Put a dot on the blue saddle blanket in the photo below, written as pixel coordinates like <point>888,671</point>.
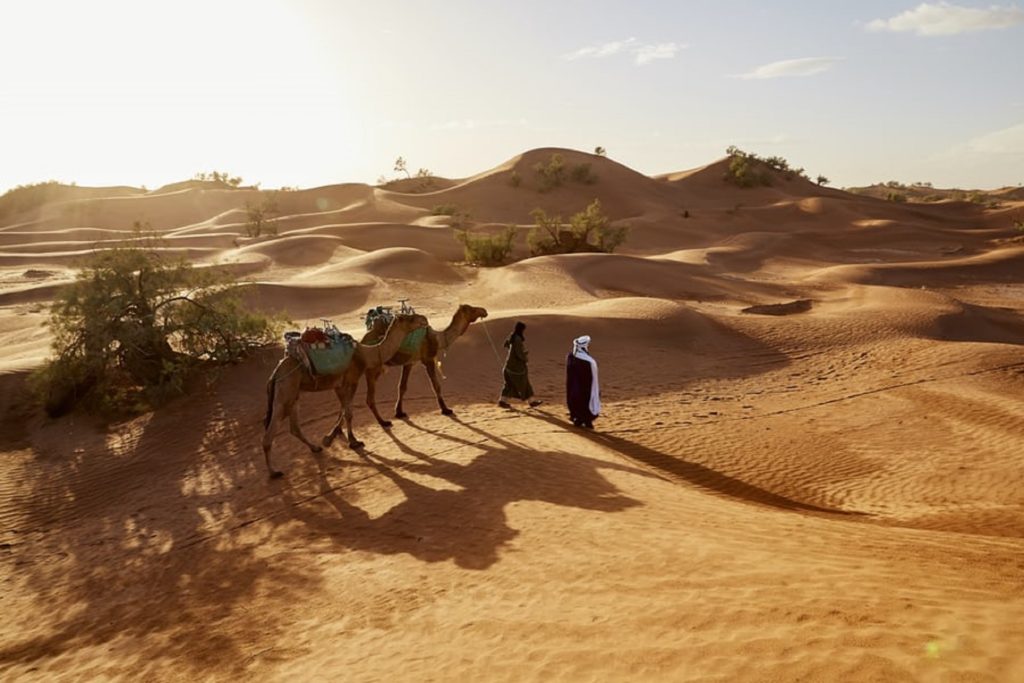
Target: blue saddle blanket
<point>322,351</point>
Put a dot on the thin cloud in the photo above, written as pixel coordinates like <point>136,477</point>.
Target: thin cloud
<point>805,66</point>
<point>945,19</point>
<point>646,54</point>
<point>603,50</point>
<point>1008,141</point>
<point>643,53</point>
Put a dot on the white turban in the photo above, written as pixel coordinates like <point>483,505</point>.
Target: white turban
<point>580,344</point>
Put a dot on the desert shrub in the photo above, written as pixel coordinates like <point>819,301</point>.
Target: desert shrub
<point>460,219</point>
<point>588,230</point>
<point>896,197</point>
<point>218,177</point>
<point>261,218</point>
<point>581,173</point>
<point>485,249</point>
<point>445,209</point>
<point>822,180</point>
<point>25,197</point>
<point>600,151</point>
<point>514,180</point>
<point>777,162</point>
<point>745,171</point>
<point>402,167</point>
<point>551,174</point>
<point>543,237</point>
<point>459,216</point>
<point>134,326</point>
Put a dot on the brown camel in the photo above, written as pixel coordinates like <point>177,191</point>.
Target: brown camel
<point>425,353</point>
<point>290,378</point>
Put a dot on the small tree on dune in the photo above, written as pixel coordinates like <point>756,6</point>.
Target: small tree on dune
<point>588,231</point>
<point>487,250</point>
<point>135,325</point>
<point>262,218</point>
<point>822,180</point>
<point>402,167</point>
<point>600,151</point>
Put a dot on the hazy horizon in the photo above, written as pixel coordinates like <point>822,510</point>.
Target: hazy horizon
<point>312,92</point>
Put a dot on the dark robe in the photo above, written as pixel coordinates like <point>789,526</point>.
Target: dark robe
<point>517,381</point>
<point>578,378</point>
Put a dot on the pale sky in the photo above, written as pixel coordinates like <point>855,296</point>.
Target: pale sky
<point>314,92</point>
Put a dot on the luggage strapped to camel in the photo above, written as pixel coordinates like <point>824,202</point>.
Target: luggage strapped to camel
<point>322,350</point>
<point>387,314</point>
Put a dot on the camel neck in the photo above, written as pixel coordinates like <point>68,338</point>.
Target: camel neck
<point>388,346</point>
<point>456,328</point>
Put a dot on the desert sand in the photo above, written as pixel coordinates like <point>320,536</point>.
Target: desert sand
<point>808,467</point>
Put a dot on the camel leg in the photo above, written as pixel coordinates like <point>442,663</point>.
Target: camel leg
<point>336,429</point>
<point>431,367</point>
<point>371,396</point>
<point>403,384</point>
<point>349,392</point>
<point>274,416</point>
<point>293,419</point>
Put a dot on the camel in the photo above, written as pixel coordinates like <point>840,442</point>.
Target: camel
<point>425,353</point>
<point>290,378</point>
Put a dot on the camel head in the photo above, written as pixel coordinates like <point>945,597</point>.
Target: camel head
<point>471,313</point>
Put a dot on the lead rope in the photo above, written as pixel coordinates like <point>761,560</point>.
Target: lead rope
<point>497,356</point>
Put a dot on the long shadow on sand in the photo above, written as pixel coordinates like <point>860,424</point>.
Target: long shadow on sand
<point>103,535</point>
<point>463,518</point>
<point>677,469</point>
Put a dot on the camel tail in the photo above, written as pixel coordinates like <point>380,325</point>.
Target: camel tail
<point>271,387</point>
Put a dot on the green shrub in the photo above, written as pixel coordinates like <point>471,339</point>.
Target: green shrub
<point>459,216</point>
<point>487,249</point>
<point>445,210</point>
<point>514,180</point>
<point>587,231</point>
<point>551,174</point>
<point>134,327</point>
<point>543,237</point>
<point>581,173</point>
<point>745,171</point>
<point>898,197</point>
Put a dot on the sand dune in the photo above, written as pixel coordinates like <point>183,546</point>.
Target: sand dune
<point>807,467</point>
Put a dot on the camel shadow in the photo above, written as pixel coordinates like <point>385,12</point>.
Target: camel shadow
<point>677,469</point>
<point>117,533</point>
<point>463,517</point>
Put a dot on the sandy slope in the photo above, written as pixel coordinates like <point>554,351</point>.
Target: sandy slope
<point>834,494</point>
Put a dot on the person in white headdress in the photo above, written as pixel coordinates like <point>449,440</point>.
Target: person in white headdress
<point>582,390</point>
